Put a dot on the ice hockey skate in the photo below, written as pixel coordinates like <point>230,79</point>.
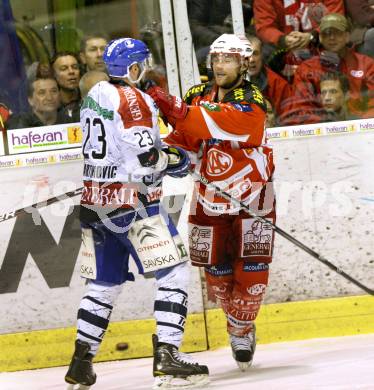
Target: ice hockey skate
<point>80,375</point>
<point>175,370</point>
<point>243,349</point>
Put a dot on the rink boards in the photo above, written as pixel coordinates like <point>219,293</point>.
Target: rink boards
<point>325,199</point>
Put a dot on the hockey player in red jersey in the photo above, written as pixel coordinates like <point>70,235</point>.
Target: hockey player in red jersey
<point>222,125</point>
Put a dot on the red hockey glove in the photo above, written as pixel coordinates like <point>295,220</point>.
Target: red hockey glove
<point>172,107</point>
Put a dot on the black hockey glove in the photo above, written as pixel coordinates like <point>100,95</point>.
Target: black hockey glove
<point>149,158</point>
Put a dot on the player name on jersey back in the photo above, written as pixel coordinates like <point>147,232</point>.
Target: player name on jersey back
<point>99,171</point>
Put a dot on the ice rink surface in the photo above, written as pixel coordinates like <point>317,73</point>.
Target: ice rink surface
<point>332,363</point>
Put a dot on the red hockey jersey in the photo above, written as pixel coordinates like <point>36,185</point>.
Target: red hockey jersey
<point>228,140</point>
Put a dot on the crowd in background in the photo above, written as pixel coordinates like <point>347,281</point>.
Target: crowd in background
<point>312,60</point>
<point>55,89</point>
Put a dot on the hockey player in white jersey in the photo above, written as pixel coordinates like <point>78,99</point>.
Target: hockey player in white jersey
<point>121,215</point>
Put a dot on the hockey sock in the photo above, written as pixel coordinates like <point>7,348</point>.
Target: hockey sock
<point>94,313</point>
<point>238,328</point>
<point>171,303</point>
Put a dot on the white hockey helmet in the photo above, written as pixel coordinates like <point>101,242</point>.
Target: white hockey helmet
<point>231,44</point>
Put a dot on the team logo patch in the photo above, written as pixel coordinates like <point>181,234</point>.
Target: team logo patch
<point>357,73</point>
<point>74,135</point>
<point>257,238</point>
<point>200,240</point>
<point>242,107</point>
<point>218,162</point>
<point>255,267</point>
<point>219,289</point>
<point>222,270</point>
<point>146,232</point>
<point>210,106</point>
<point>256,289</point>
<point>129,43</point>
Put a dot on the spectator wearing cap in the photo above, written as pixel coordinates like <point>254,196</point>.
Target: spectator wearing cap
<point>335,56</point>
<point>362,14</point>
<point>292,26</point>
<point>66,71</point>
<point>274,87</point>
<point>44,99</point>
<point>91,53</point>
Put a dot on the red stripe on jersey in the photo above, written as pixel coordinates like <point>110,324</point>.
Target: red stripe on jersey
<point>133,109</point>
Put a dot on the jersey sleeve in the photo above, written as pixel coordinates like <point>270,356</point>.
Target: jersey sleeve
<point>225,121</point>
<point>186,141</point>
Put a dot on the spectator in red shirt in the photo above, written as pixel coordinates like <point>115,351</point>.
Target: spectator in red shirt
<point>334,88</point>
<point>336,56</point>
<point>4,115</point>
<point>274,87</point>
<point>362,15</point>
<point>292,25</point>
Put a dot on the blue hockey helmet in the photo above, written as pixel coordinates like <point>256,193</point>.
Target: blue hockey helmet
<point>121,54</point>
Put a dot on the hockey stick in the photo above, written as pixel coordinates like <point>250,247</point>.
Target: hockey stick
<point>15,213</point>
<point>284,234</point>
<point>24,210</point>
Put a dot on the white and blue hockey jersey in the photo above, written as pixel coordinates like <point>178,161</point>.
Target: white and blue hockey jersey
<point>121,146</point>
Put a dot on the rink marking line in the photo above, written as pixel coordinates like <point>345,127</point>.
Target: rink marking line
<point>277,322</point>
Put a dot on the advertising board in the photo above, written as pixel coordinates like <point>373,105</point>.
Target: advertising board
<point>44,138</point>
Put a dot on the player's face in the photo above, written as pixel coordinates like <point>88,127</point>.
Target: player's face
<point>134,73</point>
<point>332,95</point>
<point>334,40</point>
<point>92,56</point>
<point>46,96</point>
<point>255,60</point>
<point>226,69</point>
<point>67,73</point>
